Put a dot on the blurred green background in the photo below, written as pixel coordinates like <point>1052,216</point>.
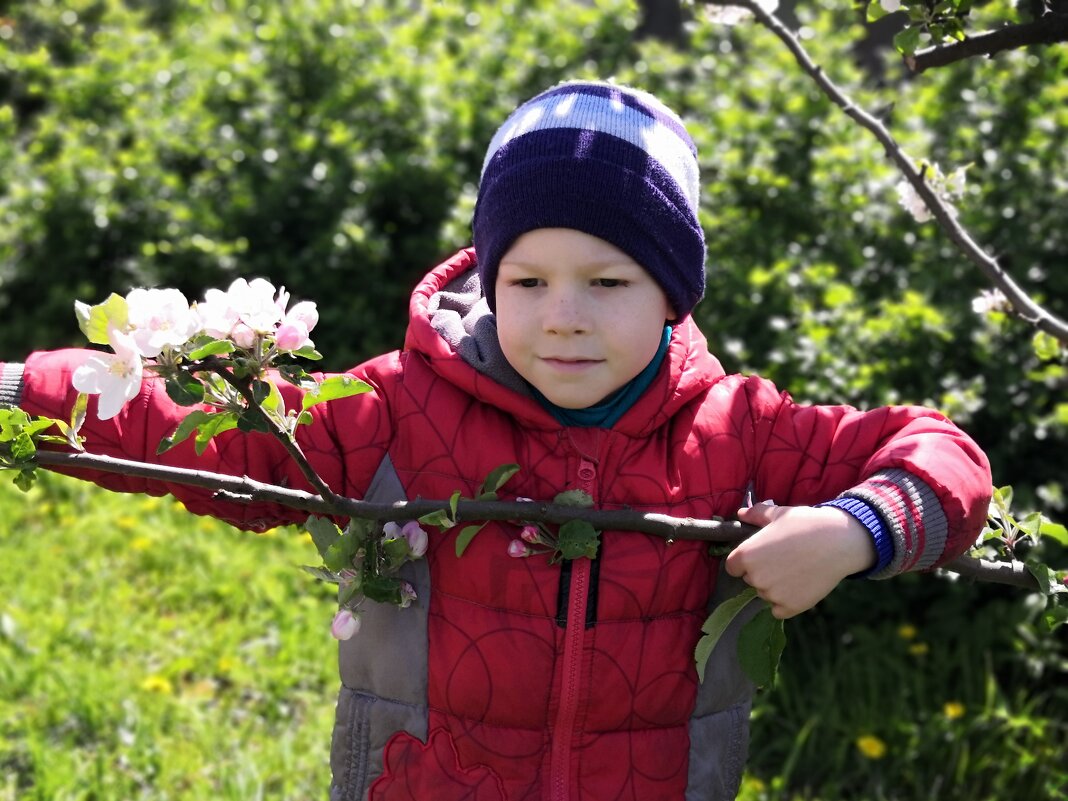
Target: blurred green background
<point>334,146</point>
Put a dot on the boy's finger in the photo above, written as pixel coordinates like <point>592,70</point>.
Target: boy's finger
<point>759,515</point>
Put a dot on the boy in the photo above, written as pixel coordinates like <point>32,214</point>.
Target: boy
<point>566,346</point>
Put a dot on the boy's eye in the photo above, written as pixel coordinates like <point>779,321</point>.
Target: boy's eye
<point>526,283</point>
<point>609,283</point>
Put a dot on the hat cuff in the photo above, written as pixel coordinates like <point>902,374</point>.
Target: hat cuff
<point>617,205</point>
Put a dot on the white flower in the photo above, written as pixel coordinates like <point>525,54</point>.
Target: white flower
<point>947,187</point>
<point>292,334</point>
<point>890,6</point>
<point>911,201</point>
<point>116,377</point>
<point>160,318</point>
<point>417,538</point>
<point>250,309</point>
<point>732,15</point>
<point>989,301</point>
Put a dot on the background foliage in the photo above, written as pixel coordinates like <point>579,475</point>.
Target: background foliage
<point>334,147</point>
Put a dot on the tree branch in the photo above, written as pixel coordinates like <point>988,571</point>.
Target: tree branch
<point>1022,304</point>
<point>246,490</point>
<point>1049,29</point>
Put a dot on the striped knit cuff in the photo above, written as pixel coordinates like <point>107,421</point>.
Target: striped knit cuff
<point>916,522</point>
<point>10,383</point>
<point>869,518</point>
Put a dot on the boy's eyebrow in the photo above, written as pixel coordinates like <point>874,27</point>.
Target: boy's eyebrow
<point>593,265</point>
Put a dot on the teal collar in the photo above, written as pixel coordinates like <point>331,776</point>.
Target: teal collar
<point>607,413</point>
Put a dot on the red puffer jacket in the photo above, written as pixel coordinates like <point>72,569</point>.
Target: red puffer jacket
<point>519,679</point>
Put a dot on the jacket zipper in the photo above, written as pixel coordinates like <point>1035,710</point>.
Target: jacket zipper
<point>571,676</point>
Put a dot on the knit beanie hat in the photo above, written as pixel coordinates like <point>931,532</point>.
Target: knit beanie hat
<point>608,160</point>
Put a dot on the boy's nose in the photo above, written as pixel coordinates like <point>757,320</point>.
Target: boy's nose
<point>565,314</point>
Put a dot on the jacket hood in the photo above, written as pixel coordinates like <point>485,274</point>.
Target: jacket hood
<point>451,325</point>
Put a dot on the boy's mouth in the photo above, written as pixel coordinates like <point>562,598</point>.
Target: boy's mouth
<point>563,363</point>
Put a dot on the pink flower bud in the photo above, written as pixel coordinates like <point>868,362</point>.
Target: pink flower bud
<point>391,530</point>
<point>518,549</point>
<point>530,534</point>
<point>345,625</point>
<point>291,336</point>
<point>417,538</point>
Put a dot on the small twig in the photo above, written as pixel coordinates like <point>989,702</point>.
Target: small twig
<point>288,442</point>
<point>1024,307</point>
<point>1050,29</point>
<point>247,490</point>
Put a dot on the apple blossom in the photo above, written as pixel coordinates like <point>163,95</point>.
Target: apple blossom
<point>518,549</point>
<point>345,626</point>
<point>989,301</point>
<point>890,6</point>
<point>530,534</point>
<point>158,319</point>
<point>417,538</point>
<point>407,594</point>
<point>723,14</point>
<point>116,377</point>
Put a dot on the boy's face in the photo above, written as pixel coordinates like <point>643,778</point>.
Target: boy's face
<point>576,316</point>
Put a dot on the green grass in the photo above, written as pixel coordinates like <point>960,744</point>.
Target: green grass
<point>146,653</point>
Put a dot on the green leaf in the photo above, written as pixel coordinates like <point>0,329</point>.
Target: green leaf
<point>453,503</point>
<point>333,388</point>
<point>395,550</point>
<point>439,518</point>
<point>760,644</point>
<point>384,589</point>
<point>213,426</point>
<point>465,536</point>
<point>1054,617</point>
<point>24,479</point>
<point>322,573</point>
<point>875,11</point>
<point>339,555</point>
<point>184,390</point>
<point>349,590</point>
<point>1046,347</point>
<point>77,417</point>
<point>716,623</point>
<point>324,532</point>
<point>576,539</point>
<point>185,428</point>
<point>296,375</point>
<point>215,347</point>
<point>1055,531</point>
<point>22,447</point>
<point>94,320</point>
<point>498,477</point>
<point>582,500</point>
<point>907,40</point>
<point>1046,578</point>
<point>308,353</point>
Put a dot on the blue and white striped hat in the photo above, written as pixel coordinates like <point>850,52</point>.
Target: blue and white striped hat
<point>608,160</point>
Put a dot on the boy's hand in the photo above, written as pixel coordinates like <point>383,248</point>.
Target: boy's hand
<point>800,554</point>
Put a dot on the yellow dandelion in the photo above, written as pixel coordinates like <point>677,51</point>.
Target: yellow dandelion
<point>871,746</point>
<point>158,684</point>
<point>919,649</point>
<point>127,523</point>
<point>953,710</point>
<point>906,632</point>
<point>140,543</point>
<point>224,665</point>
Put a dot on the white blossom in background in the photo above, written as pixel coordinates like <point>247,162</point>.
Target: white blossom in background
<point>115,377</point>
<point>890,6</point>
<point>732,15</point>
<point>251,309</point>
<point>160,318</point>
<point>990,300</point>
<point>948,188</point>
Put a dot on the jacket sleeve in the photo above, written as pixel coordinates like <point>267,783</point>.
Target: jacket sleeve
<point>345,443</point>
<point>929,481</point>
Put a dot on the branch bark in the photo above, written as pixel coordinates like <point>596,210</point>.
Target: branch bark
<point>1049,29</point>
<point>246,490</point>
<point>1023,305</point>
